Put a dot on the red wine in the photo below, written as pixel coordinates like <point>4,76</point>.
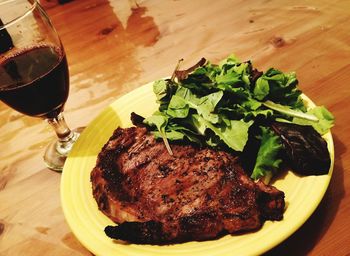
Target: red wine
<point>5,38</point>
<point>35,81</point>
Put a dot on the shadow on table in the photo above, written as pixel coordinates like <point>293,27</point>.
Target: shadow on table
<point>304,239</point>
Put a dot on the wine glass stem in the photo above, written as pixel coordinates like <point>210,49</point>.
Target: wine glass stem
<point>66,137</point>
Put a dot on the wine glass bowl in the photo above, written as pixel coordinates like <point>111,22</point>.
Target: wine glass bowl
<point>34,77</point>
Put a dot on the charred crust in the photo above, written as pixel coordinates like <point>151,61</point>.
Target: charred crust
<point>137,120</point>
<point>271,205</point>
<point>167,199</point>
<point>192,225</point>
<point>103,202</point>
<point>117,133</point>
<point>184,174</point>
<point>197,219</point>
<point>230,173</point>
<point>164,170</point>
<point>110,168</point>
<point>138,232</point>
<point>208,197</point>
<point>164,198</point>
<point>241,215</point>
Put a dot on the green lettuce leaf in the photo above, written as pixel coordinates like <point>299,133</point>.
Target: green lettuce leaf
<point>325,119</point>
<point>290,112</point>
<point>178,107</point>
<point>280,88</point>
<point>159,120</point>
<point>160,89</point>
<point>267,160</point>
<point>234,135</point>
<point>261,89</point>
<point>185,99</point>
<point>164,90</point>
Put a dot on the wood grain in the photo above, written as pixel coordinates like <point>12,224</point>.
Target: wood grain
<point>114,47</point>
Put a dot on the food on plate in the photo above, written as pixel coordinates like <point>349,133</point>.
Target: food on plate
<point>195,194</point>
<point>232,106</point>
<point>200,166</point>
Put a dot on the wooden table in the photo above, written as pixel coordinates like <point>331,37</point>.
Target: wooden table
<point>115,46</point>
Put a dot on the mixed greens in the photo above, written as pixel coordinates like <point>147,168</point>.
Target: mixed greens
<point>233,106</point>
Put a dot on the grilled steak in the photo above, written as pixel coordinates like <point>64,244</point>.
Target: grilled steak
<point>195,194</point>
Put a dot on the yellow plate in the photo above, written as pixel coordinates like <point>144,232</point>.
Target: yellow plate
<point>303,194</point>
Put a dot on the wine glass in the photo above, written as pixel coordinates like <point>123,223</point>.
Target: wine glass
<point>34,77</point>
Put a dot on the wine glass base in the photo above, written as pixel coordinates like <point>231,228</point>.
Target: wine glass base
<point>56,152</point>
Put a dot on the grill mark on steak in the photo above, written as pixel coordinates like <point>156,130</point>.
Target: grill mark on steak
<point>196,194</point>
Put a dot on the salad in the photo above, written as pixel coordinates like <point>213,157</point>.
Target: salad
<point>261,116</point>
